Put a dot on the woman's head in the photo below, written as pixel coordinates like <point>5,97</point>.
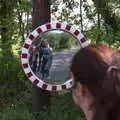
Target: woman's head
<point>96,74</point>
<point>44,43</point>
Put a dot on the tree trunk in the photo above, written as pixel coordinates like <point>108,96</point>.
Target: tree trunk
<point>41,15</point>
<point>41,12</point>
<point>27,22</point>
<point>81,18</point>
<point>98,22</point>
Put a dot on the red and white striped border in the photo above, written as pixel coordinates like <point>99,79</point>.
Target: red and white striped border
<point>25,54</point>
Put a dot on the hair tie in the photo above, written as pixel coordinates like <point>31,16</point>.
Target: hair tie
<point>112,67</point>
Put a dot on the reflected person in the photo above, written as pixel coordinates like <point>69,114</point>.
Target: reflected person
<point>46,60</point>
<point>33,58</point>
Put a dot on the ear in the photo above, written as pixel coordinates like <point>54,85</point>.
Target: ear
<point>114,75</point>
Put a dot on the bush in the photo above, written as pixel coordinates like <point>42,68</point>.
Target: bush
<point>100,36</point>
<point>62,108</point>
<point>12,80</point>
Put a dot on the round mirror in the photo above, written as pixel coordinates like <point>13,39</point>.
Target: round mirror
<point>50,56</point>
<point>47,52</point>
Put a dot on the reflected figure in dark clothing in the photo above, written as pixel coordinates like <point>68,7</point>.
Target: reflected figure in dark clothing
<point>45,58</point>
<point>33,58</point>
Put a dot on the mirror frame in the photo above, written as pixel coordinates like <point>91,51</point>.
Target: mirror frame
<point>28,42</point>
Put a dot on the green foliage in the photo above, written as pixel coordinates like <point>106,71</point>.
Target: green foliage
<point>101,36</point>
<point>113,40</point>
<point>16,114</point>
<point>53,39</point>
<point>14,26</point>
<point>61,109</point>
<point>60,40</point>
<point>12,80</point>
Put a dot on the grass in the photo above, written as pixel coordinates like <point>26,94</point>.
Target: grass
<point>62,108</point>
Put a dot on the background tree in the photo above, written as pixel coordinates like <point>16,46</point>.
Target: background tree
<point>107,13</point>
<point>12,80</point>
<point>41,15</point>
<point>6,55</point>
<point>81,17</point>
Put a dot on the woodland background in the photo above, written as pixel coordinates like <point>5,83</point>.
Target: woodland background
<point>99,22</point>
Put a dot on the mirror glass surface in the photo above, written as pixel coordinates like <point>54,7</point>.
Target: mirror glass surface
<point>50,56</point>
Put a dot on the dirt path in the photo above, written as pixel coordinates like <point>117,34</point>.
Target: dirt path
<point>60,65</point>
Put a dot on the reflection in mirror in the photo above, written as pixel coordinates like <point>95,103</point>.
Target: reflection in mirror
<point>50,56</point>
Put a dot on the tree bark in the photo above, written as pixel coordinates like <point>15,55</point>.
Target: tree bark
<point>41,12</point>
<point>41,15</point>
<point>81,18</point>
<point>98,19</point>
